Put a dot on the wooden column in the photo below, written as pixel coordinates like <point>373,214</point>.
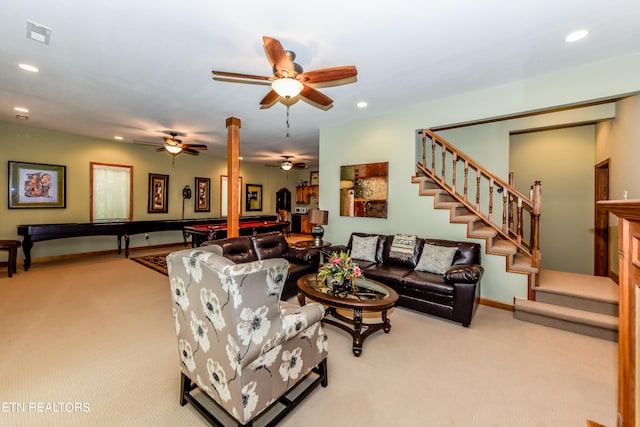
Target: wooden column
<point>233,172</point>
<point>628,213</point>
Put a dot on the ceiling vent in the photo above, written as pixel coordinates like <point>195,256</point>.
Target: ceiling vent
<point>38,32</point>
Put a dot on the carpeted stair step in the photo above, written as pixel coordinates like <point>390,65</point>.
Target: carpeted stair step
<point>465,218</point>
<point>583,292</point>
<point>522,263</point>
<point>568,319</point>
<point>480,229</point>
<point>502,247</point>
<point>446,201</point>
<point>460,214</point>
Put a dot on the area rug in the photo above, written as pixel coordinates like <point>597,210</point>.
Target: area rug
<point>157,262</point>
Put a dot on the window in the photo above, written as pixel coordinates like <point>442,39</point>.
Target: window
<point>111,195</point>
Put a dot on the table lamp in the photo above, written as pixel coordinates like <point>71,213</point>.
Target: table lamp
<point>318,218</point>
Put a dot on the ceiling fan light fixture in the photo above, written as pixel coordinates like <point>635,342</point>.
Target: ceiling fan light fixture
<point>287,87</point>
<point>286,165</point>
<point>173,149</point>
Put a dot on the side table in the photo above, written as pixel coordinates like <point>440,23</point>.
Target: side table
<point>11,246</point>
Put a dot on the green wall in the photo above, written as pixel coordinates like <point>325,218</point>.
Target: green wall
<point>567,220</point>
<point>29,144</point>
<point>392,137</point>
<point>619,141</point>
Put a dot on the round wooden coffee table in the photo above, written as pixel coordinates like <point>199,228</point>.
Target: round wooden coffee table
<point>371,296</point>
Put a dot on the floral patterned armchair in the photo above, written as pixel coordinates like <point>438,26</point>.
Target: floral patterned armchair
<point>238,343</point>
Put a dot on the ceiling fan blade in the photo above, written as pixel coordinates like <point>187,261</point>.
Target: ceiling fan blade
<point>248,82</point>
<point>160,149</point>
<point>190,151</point>
<point>239,75</point>
<point>195,146</point>
<point>153,144</point>
<point>329,74</point>
<point>316,96</point>
<point>278,57</point>
<point>269,99</point>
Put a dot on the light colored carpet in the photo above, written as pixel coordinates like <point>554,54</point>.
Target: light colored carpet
<point>91,341</point>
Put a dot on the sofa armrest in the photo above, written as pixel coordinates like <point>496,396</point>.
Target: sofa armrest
<point>301,256</point>
<point>469,273</point>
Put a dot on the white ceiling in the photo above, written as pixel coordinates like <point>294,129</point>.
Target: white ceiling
<point>136,68</point>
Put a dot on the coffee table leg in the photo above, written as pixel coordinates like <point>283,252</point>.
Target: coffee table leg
<point>357,331</point>
<point>386,322</point>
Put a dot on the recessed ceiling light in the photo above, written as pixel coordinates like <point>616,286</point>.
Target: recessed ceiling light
<point>119,138</point>
<point>28,67</point>
<point>21,109</point>
<point>362,104</point>
<point>576,35</point>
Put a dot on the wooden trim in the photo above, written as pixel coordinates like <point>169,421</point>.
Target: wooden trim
<point>601,238</point>
<point>497,304</point>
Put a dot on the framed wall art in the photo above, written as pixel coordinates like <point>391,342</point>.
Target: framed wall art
<point>363,190</point>
<point>314,178</point>
<point>203,195</point>
<point>158,193</point>
<point>253,193</point>
<point>37,185</point>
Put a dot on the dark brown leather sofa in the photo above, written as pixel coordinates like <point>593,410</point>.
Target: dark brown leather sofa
<point>453,295</point>
<point>270,245</point>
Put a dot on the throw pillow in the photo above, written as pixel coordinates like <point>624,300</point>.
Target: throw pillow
<point>436,259</point>
<point>402,247</point>
<point>364,248</point>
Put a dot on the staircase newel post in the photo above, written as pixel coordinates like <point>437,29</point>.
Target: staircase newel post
<point>536,196</point>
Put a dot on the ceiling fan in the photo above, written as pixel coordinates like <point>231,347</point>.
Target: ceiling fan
<point>175,146</point>
<point>289,80</point>
<point>286,164</point>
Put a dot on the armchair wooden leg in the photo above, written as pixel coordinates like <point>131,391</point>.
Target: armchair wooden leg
<point>324,373</point>
<point>185,387</point>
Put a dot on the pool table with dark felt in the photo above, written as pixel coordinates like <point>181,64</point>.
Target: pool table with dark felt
<point>206,232</point>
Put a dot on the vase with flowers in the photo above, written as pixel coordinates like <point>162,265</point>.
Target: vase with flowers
<point>339,272</point>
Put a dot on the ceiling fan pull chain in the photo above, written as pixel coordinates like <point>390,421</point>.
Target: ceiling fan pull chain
<point>287,121</point>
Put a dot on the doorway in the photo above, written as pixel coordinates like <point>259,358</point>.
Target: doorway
<point>283,200</point>
<point>601,227</point>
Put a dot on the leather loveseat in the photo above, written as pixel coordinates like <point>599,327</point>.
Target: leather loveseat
<point>445,282</point>
<point>269,245</point>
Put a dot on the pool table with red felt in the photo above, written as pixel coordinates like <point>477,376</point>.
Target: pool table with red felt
<point>206,232</point>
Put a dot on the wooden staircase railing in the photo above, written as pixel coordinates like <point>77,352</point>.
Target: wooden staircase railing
<point>520,215</point>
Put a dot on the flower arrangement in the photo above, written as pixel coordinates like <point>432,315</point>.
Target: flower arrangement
<point>341,268</point>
